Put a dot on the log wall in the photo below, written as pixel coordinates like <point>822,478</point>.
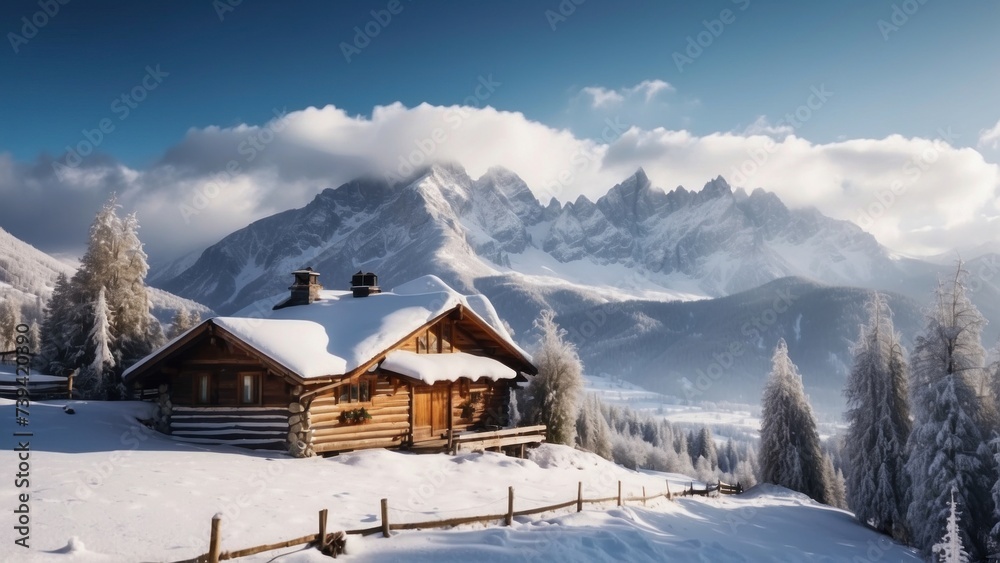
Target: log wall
<point>388,427</point>
<point>251,427</point>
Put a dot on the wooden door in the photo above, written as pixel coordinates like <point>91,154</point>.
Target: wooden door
<point>430,410</point>
<point>439,409</point>
<point>422,406</point>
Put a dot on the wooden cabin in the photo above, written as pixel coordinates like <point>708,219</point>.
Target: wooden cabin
<point>333,371</point>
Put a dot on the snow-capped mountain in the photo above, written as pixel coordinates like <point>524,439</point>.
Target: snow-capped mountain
<point>633,241</point>
<point>621,258</point>
<point>28,276</point>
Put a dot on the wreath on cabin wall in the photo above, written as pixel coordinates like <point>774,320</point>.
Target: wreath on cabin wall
<point>468,407</point>
<point>355,416</point>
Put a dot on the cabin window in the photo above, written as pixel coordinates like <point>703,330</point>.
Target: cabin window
<point>248,389</point>
<point>446,338</point>
<point>433,343</point>
<point>357,392</point>
<point>203,389</point>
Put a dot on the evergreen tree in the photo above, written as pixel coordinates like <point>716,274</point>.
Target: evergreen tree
<point>114,263</point>
<point>60,335</point>
<point>180,323</point>
<point>9,319</point>
<point>946,448</point>
<point>554,393</point>
<point>878,420</point>
<point>836,492</point>
<point>950,549</point>
<point>790,453</point>
<point>95,377</point>
<point>707,450</point>
<point>592,429</point>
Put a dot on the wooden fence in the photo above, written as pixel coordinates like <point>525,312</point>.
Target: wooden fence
<point>333,544</point>
<point>51,387</point>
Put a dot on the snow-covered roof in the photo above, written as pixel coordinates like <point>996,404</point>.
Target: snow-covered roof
<point>431,368</point>
<point>340,332</point>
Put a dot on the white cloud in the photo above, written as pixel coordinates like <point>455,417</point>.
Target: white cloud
<point>938,196</point>
<point>601,97</point>
<point>763,126</point>
<point>990,138</point>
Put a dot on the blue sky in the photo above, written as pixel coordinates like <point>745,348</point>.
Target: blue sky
<point>938,69</point>
<point>928,67</point>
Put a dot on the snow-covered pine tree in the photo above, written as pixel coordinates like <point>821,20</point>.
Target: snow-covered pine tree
<point>707,449</point>
<point>950,549</point>
<point>95,378</point>
<point>9,318</point>
<point>180,323</point>
<point>836,492</point>
<point>114,261</point>
<point>61,336</point>
<point>136,330</point>
<point>878,419</point>
<point>554,393</point>
<point>592,429</point>
<point>790,453</point>
<point>946,450</point>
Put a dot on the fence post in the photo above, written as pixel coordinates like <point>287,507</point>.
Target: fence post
<point>579,496</point>
<point>385,518</point>
<point>509,519</point>
<point>668,491</point>
<point>644,495</point>
<point>322,529</point>
<point>619,493</point>
<point>69,385</point>
<point>215,545</point>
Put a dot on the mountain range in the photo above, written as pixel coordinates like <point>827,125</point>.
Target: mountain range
<point>652,285</point>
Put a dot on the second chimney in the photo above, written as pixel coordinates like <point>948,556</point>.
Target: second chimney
<point>363,285</point>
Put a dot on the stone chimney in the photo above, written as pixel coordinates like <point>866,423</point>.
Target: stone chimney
<point>363,285</point>
<point>304,290</point>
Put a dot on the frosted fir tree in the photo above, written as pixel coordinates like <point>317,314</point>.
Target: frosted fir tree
<point>950,549</point>
<point>115,263</point>
<point>946,447</point>
<point>593,430</point>
<point>707,449</point>
<point>9,318</point>
<point>554,394</point>
<point>62,333</point>
<point>878,419</point>
<point>98,372</point>
<point>180,324</point>
<point>790,453</point>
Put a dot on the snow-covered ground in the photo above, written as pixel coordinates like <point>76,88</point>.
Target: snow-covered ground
<point>105,488</point>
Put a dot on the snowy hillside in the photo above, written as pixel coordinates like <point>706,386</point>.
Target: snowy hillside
<point>105,488</point>
<point>28,276</point>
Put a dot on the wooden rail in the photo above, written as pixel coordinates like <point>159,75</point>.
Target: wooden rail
<point>476,441</point>
<point>333,543</point>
